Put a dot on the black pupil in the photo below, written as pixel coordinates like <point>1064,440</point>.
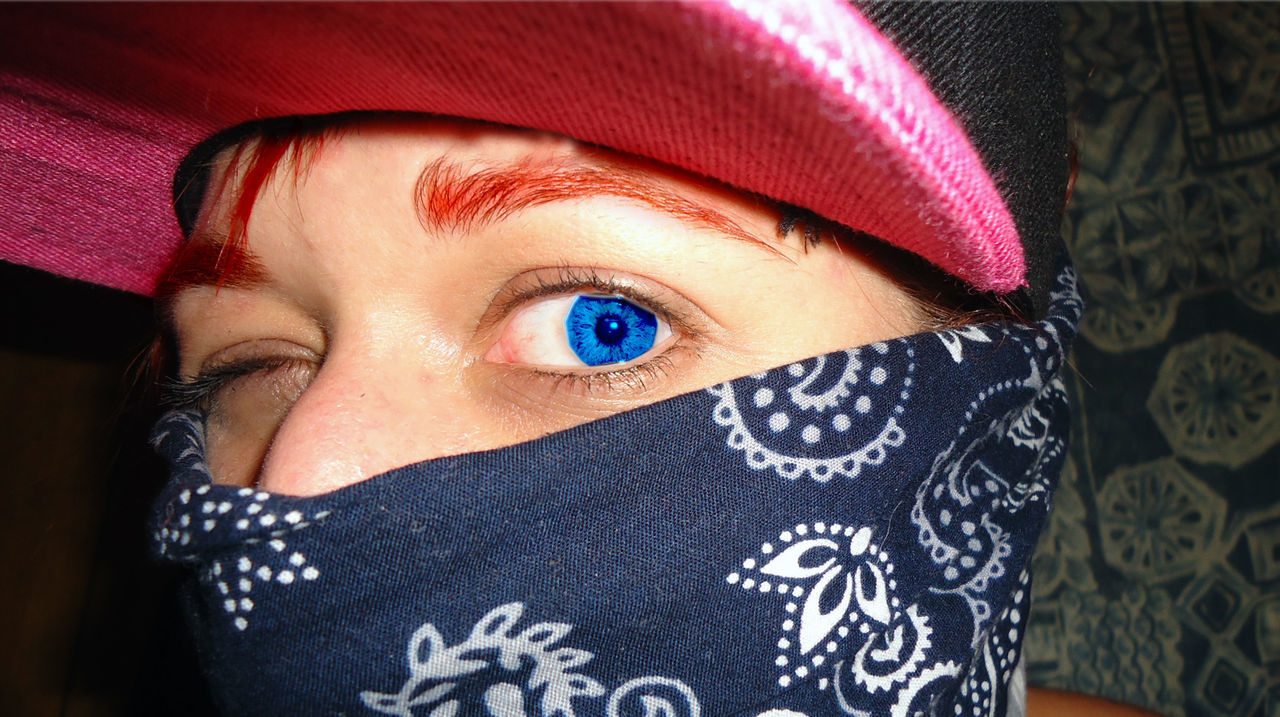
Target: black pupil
<point>610,329</point>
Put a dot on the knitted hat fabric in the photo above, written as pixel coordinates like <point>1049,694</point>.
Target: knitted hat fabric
<point>937,129</point>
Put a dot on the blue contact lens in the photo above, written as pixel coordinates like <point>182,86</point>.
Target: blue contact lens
<point>604,330</point>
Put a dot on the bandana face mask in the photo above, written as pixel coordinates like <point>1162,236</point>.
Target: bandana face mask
<point>849,534</point>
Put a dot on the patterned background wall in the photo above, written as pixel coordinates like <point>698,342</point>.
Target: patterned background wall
<point>1158,582</point>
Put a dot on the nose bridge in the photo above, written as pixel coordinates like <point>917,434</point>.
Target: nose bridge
<point>365,413</point>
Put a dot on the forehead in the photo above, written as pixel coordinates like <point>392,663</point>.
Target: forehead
<point>356,149</point>
<point>361,151</point>
<point>448,176</point>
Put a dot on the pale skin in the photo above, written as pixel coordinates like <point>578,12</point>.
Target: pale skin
<point>406,342</point>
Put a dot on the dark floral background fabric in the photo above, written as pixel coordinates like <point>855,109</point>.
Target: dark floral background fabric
<point>1158,580</point>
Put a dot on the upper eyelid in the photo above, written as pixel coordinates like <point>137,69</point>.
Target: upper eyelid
<point>250,354</point>
<point>205,385</point>
<point>571,280</point>
<point>603,288</point>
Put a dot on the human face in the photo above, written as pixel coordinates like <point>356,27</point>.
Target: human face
<point>403,307</point>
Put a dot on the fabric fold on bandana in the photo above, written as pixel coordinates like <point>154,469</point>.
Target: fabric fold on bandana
<point>848,534</point>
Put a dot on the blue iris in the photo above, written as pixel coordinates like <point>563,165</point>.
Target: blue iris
<point>607,330</point>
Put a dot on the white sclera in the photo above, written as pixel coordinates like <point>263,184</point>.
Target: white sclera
<point>536,335</point>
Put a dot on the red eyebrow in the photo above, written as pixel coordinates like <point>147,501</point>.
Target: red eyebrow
<point>455,197</point>
<point>210,260</point>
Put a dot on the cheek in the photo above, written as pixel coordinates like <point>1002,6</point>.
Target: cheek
<point>825,301</point>
<point>847,290</point>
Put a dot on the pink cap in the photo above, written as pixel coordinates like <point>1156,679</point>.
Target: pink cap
<point>800,100</point>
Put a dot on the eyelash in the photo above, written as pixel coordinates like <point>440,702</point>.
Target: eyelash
<point>570,280</point>
<point>200,390</point>
<point>631,377</point>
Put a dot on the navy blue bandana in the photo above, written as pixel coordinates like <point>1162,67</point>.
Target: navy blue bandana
<point>849,534</point>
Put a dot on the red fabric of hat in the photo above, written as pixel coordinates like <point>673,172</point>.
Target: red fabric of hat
<point>804,101</point>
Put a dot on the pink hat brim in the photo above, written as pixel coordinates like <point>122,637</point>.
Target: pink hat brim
<point>800,100</point>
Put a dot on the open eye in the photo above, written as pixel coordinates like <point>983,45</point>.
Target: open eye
<point>580,330</point>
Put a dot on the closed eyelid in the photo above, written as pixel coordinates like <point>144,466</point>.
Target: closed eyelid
<point>453,197</point>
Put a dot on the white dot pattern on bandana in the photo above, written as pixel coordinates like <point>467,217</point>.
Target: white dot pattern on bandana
<point>788,424</point>
<point>849,558</point>
<point>272,567</point>
<point>244,517</point>
<point>999,652</point>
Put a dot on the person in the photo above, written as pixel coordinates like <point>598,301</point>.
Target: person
<point>704,364</point>
<point>475,256</point>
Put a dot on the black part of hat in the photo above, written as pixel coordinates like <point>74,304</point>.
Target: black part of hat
<point>998,67</point>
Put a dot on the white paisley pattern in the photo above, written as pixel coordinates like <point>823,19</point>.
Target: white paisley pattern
<point>956,511</point>
<point>837,587</point>
<point>952,340</point>
<point>795,422</point>
<point>553,681</point>
<point>496,654</point>
<point>844,623</point>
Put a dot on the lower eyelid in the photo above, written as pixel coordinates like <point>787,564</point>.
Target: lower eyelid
<point>665,373</point>
<point>565,390</point>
